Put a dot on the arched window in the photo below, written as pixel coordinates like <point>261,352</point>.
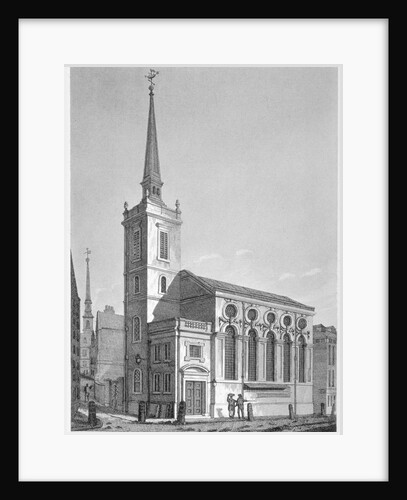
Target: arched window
<point>301,359</point>
<point>287,358</point>
<point>252,355</point>
<point>158,192</point>
<point>230,353</point>
<point>270,357</point>
<point>163,284</point>
<point>138,381</point>
<point>87,324</point>
<point>136,329</point>
<point>136,284</point>
<point>153,189</point>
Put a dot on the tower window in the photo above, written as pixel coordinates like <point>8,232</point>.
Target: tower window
<point>158,192</point>
<point>163,284</point>
<point>153,189</point>
<point>163,245</point>
<point>137,387</point>
<point>137,244</point>
<point>136,329</point>
<point>136,284</point>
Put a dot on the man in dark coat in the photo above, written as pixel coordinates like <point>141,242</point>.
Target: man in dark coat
<point>231,405</point>
<point>240,406</point>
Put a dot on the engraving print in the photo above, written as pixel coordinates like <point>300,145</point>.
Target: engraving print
<point>233,326</point>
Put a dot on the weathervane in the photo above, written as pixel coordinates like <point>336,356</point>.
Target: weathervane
<point>153,73</point>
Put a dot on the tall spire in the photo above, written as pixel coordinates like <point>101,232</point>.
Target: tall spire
<point>88,301</point>
<point>152,176</point>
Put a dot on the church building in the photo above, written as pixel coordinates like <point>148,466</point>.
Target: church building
<point>194,339</point>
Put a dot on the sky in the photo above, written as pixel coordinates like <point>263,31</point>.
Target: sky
<point>251,153</point>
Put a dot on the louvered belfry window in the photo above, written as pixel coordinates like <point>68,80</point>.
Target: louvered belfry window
<point>230,353</point>
<point>252,355</point>
<point>137,244</point>
<point>163,245</point>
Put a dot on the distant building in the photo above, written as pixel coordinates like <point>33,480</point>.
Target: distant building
<point>195,339</point>
<point>87,340</point>
<point>109,358</point>
<point>324,367</point>
<point>75,341</point>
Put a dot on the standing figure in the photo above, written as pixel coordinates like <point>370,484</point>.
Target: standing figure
<point>240,406</point>
<point>85,390</point>
<point>231,405</point>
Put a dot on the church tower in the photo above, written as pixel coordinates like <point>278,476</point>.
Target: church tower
<point>152,261</point>
<point>87,325</point>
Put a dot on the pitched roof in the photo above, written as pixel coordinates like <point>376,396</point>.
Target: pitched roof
<point>221,286</point>
<point>109,320</point>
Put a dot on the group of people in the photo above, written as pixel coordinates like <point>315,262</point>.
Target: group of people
<point>233,403</point>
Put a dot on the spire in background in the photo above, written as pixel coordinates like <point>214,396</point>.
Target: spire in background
<point>152,176</point>
<point>88,301</point>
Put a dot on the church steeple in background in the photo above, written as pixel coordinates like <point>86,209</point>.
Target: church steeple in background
<point>88,301</point>
<point>151,182</point>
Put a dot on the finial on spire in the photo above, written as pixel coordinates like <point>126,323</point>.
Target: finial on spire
<point>153,73</point>
<point>87,254</point>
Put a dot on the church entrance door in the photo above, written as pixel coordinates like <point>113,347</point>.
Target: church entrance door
<point>195,397</point>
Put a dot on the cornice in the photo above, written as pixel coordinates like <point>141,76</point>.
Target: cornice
<point>282,307</point>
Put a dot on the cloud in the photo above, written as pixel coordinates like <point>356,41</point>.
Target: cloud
<point>210,256</point>
<point>312,272</point>
<point>243,251</point>
<point>286,276</point>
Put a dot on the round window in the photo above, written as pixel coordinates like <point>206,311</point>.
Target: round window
<point>230,311</point>
<point>252,314</point>
<point>302,323</point>
<point>271,317</point>
<point>287,320</point>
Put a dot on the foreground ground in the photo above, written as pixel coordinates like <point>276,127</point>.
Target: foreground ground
<point>111,421</point>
